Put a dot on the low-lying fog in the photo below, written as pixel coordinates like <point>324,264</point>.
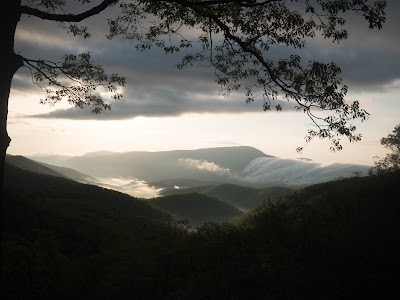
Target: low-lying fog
<point>260,172</point>
<point>131,186</point>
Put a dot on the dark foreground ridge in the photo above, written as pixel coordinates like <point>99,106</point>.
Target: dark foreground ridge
<point>66,240</point>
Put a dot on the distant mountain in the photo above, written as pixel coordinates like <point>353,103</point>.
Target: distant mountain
<point>98,153</point>
<point>73,174</point>
<point>197,208</point>
<point>245,166</point>
<point>53,159</point>
<point>203,164</point>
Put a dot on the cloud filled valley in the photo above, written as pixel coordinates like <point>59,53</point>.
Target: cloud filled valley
<point>135,172</point>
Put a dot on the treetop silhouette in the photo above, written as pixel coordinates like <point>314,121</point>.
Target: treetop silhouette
<point>391,162</point>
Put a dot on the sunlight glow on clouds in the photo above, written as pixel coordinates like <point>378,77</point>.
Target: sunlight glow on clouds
<point>273,133</point>
<point>29,36</point>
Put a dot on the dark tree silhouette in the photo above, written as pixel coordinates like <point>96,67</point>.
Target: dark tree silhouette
<point>235,36</point>
<point>391,162</point>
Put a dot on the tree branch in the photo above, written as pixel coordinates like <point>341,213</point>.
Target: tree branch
<point>65,17</point>
<point>243,3</point>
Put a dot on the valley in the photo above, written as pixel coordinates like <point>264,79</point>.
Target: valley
<point>68,239</point>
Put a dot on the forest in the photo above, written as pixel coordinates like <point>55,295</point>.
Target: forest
<point>63,239</point>
<point>249,231</point>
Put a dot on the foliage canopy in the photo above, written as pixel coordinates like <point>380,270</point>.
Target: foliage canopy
<point>235,37</point>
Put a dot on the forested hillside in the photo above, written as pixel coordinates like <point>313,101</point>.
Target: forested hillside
<point>65,240</point>
<point>198,208</point>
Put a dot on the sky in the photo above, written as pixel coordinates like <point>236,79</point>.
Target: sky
<point>164,108</point>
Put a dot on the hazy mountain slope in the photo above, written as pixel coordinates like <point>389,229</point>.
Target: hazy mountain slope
<point>52,159</point>
<point>73,174</point>
<point>51,189</point>
<point>32,166</point>
<point>197,208</point>
<point>48,169</point>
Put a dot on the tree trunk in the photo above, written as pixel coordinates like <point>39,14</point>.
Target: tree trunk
<point>10,63</point>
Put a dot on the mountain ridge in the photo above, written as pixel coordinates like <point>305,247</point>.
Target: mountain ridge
<point>241,165</point>
<point>169,164</point>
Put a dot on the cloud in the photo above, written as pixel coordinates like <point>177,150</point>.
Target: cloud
<point>163,102</point>
<point>204,165</point>
<point>131,186</point>
<point>370,60</point>
<point>272,171</point>
<point>261,172</point>
<point>275,171</point>
<point>363,67</point>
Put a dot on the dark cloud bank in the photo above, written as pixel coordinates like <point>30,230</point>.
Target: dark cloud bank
<point>370,59</point>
